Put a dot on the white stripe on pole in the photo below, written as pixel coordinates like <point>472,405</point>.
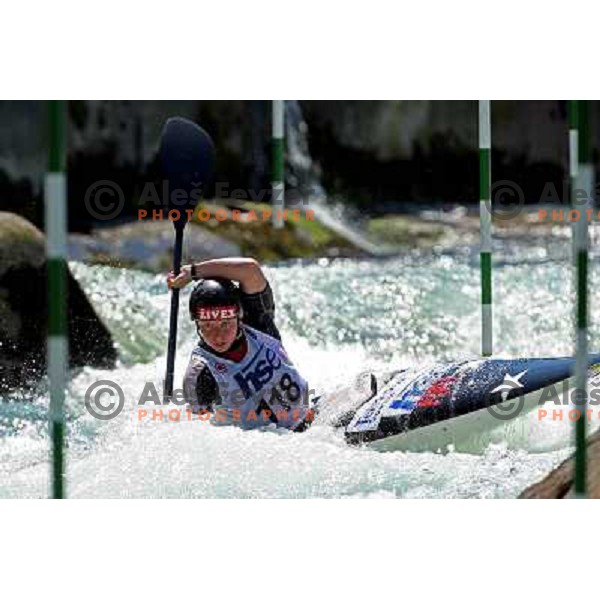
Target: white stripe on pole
<point>55,191</point>
<point>485,215</point>
<point>485,127</point>
<point>278,193</point>
<point>585,182</point>
<point>573,172</point>
<point>573,152</point>
<point>278,119</point>
<point>57,373</point>
<point>278,154</point>
<point>486,342</point>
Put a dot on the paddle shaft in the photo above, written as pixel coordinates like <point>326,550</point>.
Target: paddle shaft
<point>187,159</point>
<point>172,345</point>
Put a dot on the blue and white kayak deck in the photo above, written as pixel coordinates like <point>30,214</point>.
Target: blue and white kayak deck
<point>432,408</point>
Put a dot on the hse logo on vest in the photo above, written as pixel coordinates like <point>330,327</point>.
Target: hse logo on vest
<point>258,372</point>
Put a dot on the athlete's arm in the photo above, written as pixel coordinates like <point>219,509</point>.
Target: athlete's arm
<point>259,311</point>
<point>246,271</point>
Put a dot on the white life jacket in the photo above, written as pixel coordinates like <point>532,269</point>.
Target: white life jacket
<point>263,388</point>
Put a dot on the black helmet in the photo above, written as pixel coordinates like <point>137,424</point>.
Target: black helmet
<point>214,292</point>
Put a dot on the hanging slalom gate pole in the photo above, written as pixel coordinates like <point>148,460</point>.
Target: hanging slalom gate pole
<point>485,216</point>
<point>278,158</point>
<point>582,184</point>
<point>55,195</point>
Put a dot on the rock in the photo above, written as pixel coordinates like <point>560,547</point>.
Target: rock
<point>559,482</point>
<point>24,305</point>
<point>366,152</point>
<point>406,151</point>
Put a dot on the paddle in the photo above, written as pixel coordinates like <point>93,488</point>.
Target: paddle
<point>187,159</point>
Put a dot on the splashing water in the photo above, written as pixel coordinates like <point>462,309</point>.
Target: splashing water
<point>337,318</point>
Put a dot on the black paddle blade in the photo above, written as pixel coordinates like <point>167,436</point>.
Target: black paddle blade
<point>187,157</point>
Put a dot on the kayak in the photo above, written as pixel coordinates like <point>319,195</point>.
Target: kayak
<point>445,404</point>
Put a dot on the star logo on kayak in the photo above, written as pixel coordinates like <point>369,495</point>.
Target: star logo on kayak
<point>510,382</point>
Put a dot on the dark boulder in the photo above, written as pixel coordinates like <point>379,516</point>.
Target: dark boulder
<point>24,309</point>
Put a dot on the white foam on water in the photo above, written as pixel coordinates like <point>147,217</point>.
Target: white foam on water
<point>135,458</point>
<point>337,319</point>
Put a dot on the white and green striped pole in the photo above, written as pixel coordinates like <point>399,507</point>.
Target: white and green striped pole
<point>582,184</point>
<point>278,158</point>
<point>485,216</point>
<point>55,194</point>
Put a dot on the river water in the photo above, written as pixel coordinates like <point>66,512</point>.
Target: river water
<point>337,318</point>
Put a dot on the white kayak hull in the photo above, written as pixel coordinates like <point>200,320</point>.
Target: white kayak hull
<point>452,405</point>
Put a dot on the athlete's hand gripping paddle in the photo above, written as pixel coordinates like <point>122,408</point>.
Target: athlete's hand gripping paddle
<point>187,159</point>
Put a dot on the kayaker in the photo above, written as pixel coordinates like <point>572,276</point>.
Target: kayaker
<point>239,371</point>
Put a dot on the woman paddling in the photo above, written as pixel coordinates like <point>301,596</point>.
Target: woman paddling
<point>239,371</point>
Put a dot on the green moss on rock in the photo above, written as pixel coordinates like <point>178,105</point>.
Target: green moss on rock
<point>301,238</point>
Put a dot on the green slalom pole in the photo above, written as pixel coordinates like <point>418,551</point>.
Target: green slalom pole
<point>485,216</point>
<point>582,182</point>
<point>55,195</point>
<point>278,158</point>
